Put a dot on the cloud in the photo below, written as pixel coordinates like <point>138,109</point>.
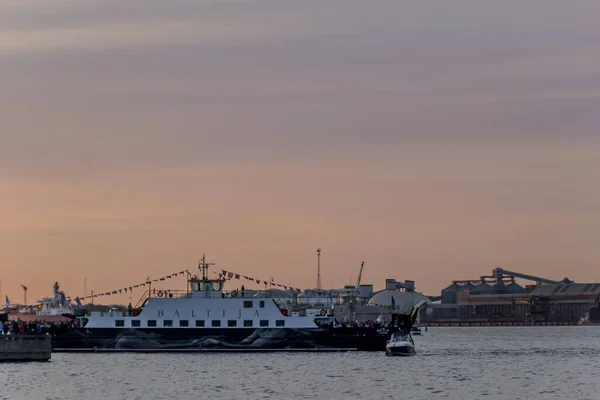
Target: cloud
<point>430,139</point>
<point>146,34</point>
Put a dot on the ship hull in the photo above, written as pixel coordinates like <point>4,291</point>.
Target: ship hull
<point>169,339</point>
<point>402,351</point>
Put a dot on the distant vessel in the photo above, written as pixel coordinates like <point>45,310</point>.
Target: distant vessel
<point>400,344</point>
<point>206,317</point>
<point>58,304</point>
<point>55,308</point>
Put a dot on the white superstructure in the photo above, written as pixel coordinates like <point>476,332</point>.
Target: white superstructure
<point>203,305</point>
<point>58,304</point>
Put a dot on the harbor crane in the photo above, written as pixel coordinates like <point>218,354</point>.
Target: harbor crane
<point>354,294</point>
<point>24,294</point>
<point>359,276</point>
<point>500,272</point>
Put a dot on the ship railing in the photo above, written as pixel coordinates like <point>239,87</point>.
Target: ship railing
<point>161,293</point>
<point>245,294</point>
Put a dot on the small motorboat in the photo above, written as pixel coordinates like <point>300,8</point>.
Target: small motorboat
<point>400,344</point>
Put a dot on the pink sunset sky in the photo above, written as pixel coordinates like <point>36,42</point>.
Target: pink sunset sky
<point>432,140</point>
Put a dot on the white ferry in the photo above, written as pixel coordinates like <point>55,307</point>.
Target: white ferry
<point>207,317</point>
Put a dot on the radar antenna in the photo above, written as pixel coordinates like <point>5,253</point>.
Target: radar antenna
<point>203,266</point>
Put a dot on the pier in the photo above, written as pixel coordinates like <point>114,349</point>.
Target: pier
<point>497,323</point>
<point>208,350</point>
<point>25,347</point>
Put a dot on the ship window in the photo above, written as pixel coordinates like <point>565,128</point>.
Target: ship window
<point>119,322</point>
<point>135,323</point>
<point>167,323</point>
<point>280,322</point>
<point>200,323</point>
<point>232,323</point>
<point>264,323</point>
<point>151,322</point>
<point>248,323</point>
<point>262,304</point>
<point>184,323</point>
<point>216,323</point>
<point>248,304</point>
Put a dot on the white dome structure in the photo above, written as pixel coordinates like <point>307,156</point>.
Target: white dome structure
<point>403,301</point>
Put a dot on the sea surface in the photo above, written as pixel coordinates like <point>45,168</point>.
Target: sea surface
<point>451,363</point>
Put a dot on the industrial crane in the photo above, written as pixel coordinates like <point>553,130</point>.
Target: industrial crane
<point>359,276</point>
<point>500,272</point>
<point>351,314</point>
<point>24,294</point>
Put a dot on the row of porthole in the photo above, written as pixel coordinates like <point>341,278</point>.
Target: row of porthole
<point>215,323</point>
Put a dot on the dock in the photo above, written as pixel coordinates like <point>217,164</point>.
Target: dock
<point>496,323</point>
<point>25,348</point>
<point>207,350</point>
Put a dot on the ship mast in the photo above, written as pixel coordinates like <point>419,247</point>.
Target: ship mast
<point>203,266</point>
<point>319,268</point>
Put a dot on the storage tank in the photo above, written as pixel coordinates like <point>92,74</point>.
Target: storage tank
<point>514,288</point>
<point>450,294</point>
<point>482,288</point>
<point>499,287</point>
<point>467,286</point>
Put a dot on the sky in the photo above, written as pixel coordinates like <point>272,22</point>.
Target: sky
<point>432,140</point>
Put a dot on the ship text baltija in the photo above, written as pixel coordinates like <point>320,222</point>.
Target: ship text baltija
<point>205,317</point>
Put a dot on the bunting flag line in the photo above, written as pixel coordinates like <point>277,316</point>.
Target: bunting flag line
<point>129,289</point>
<point>232,275</point>
<point>225,274</point>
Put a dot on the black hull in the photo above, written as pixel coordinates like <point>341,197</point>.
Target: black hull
<point>403,351</point>
<point>240,339</point>
<point>594,315</point>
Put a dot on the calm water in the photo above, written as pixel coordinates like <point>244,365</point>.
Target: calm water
<point>454,363</point>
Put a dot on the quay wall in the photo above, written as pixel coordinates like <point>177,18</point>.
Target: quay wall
<point>501,323</point>
<point>25,347</point>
